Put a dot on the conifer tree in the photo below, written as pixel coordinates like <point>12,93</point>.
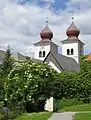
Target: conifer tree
<point>7,63</point>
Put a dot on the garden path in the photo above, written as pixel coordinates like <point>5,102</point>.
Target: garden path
<point>62,116</point>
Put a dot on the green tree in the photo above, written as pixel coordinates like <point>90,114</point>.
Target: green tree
<point>30,82</point>
<point>7,63</point>
<point>5,68</point>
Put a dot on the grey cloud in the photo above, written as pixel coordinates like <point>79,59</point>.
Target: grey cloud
<point>20,26</point>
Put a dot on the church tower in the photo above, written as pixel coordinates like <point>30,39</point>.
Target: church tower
<point>45,45</point>
<point>72,46</point>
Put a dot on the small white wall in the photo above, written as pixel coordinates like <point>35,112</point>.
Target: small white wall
<point>70,46</point>
<point>41,48</point>
<point>49,105</point>
<point>54,67</point>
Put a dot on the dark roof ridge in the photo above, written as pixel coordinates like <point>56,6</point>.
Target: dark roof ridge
<point>55,59</point>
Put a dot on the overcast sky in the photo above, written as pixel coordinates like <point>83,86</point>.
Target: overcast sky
<point>21,21</point>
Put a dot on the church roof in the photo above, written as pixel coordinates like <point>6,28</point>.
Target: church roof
<point>44,42</point>
<point>63,63</point>
<point>15,55</point>
<point>71,41</point>
<point>36,60</point>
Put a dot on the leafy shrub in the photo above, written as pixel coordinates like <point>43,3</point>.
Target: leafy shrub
<point>1,114</point>
<point>8,114</point>
<point>31,82</point>
<point>66,103</point>
<point>69,102</point>
<point>74,85</point>
<point>1,103</point>
<point>56,105</point>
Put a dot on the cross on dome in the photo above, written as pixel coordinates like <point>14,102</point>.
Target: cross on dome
<point>72,30</point>
<point>47,21</point>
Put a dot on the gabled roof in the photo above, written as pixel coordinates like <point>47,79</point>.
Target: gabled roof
<point>44,42</point>
<point>71,41</point>
<point>63,63</point>
<point>50,57</point>
<point>15,55</point>
<point>36,60</point>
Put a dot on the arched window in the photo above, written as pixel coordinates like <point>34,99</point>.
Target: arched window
<point>40,54</point>
<point>43,53</point>
<point>72,51</point>
<point>68,52</point>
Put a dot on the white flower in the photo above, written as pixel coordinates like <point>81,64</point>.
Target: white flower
<point>17,92</point>
<point>25,86</point>
<point>25,72</point>
<point>36,85</point>
<point>33,63</point>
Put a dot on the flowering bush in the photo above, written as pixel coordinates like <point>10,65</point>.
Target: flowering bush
<point>30,82</point>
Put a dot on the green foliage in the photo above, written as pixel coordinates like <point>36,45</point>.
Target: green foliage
<point>34,116</point>
<point>31,83</point>
<point>1,103</point>
<point>82,116</point>
<point>1,89</point>
<point>75,85</point>
<point>75,108</point>
<point>69,102</point>
<point>66,85</point>
<point>60,104</point>
<point>1,114</point>
<point>7,63</point>
<point>85,66</point>
<point>9,114</point>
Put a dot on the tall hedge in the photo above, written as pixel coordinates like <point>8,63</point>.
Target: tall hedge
<point>75,85</point>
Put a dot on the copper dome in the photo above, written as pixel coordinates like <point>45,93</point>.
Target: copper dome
<point>72,31</point>
<point>46,33</point>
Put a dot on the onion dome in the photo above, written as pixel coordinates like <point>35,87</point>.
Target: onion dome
<point>72,31</point>
<point>46,33</point>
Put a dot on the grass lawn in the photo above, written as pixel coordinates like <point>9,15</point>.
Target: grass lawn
<point>35,116</point>
<point>81,108</point>
<point>83,116</point>
<point>84,107</point>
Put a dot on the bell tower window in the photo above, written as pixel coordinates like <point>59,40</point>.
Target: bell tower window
<point>72,51</point>
<point>43,53</point>
<point>68,52</point>
<point>40,54</point>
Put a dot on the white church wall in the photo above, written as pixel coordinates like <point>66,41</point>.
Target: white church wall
<point>54,67</point>
<point>70,46</point>
<point>42,48</point>
<point>49,103</point>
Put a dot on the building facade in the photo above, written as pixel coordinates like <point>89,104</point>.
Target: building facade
<point>47,51</point>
